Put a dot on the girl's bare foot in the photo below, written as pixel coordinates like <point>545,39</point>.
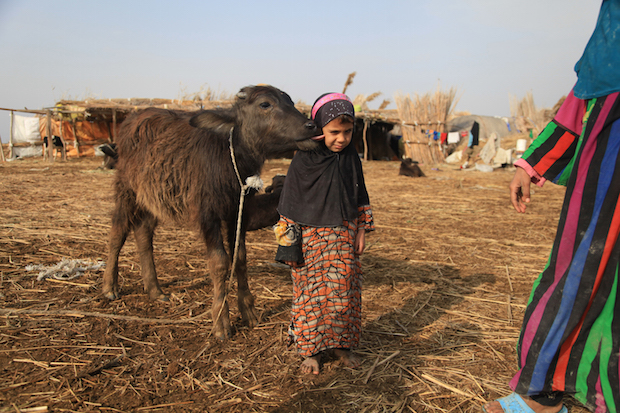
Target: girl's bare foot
<point>349,358</point>
<point>311,364</point>
<point>496,407</point>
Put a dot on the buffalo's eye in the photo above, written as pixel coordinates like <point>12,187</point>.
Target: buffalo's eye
<point>265,105</point>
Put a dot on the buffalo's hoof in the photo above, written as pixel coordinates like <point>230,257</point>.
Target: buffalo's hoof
<point>163,297</point>
<point>158,295</point>
<point>222,335</point>
<point>112,295</point>
<point>250,318</point>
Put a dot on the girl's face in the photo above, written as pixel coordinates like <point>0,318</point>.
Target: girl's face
<point>338,134</point>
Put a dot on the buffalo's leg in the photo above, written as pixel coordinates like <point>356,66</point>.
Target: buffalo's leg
<point>245,299</point>
<point>123,218</point>
<point>143,233</point>
<point>217,260</point>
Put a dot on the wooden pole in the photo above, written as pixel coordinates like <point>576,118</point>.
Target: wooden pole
<point>11,137</point>
<point>76,143</point>
<point>365,138</point>
<point>2,150</point>
<point>107,125</point>
<point>113,137</point>
<point>64,142</point>
<point>50,144</point>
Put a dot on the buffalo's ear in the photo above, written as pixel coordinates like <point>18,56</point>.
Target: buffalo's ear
<point>213,119</point>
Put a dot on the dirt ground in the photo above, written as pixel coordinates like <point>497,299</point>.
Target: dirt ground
<point>447,275</point>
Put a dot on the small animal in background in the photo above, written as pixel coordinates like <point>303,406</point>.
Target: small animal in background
<point>409,167</point>
<point>110,156</point>
<point>56,142</point>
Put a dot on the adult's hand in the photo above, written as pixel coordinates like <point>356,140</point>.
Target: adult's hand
<point>520,190</point>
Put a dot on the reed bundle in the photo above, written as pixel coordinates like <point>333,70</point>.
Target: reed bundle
<point>420,114</point>
<point>349,81</point>
<point>527,116</point>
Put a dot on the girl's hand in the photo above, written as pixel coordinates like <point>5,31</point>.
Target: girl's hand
<point>520,190</point>
<point>360,241</point>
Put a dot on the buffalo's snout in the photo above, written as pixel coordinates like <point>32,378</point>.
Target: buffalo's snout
<point>312,130</point>
<point>311,126</point>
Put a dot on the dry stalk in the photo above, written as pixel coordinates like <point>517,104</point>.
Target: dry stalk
<point>348,82</point>
<point>452,388</point>
<point>509,281</point>
<point>162,406</point>
<point>14,311</point>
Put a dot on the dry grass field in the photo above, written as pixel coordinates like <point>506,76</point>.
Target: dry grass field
<point>447,275</point>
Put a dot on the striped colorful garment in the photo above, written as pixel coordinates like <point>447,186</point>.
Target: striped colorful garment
<point>327,287</point>
<point>570,338</point>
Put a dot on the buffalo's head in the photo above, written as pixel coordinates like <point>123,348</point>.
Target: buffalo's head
<point>265,121</point>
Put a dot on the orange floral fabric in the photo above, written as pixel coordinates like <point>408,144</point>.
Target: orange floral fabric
<point>327,287</point>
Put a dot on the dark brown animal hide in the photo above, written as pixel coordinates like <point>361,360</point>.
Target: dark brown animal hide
<point>176,166</point>
<point>261,210</point>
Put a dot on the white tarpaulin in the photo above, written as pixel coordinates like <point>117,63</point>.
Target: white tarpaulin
<point>26,130</point>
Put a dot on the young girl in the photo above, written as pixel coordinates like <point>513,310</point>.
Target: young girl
<point>324,215</point>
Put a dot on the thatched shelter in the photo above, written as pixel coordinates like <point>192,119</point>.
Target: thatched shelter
<point>89,123</point>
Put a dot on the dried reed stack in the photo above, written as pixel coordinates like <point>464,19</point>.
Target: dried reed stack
<point>205,95</point>
<point>427,112</point>
<point>527,116</point>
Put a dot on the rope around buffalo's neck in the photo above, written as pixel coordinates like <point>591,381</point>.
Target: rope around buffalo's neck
<point>254,182</point>
<point>241,199</point>
<point>251,182</point>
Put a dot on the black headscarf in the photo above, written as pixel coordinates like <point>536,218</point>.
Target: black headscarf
<point>323,188</point>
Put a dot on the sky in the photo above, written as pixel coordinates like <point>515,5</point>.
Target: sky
<point>488,50</point>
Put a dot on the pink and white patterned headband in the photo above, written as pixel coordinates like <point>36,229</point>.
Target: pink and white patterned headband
<point>328,98</point>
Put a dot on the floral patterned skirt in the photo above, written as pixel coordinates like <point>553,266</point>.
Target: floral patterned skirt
<point>327,291</point>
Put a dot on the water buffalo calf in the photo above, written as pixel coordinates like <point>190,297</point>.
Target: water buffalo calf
<point>177,166</point>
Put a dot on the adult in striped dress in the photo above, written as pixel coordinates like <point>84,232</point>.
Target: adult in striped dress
<point>570,337</point>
